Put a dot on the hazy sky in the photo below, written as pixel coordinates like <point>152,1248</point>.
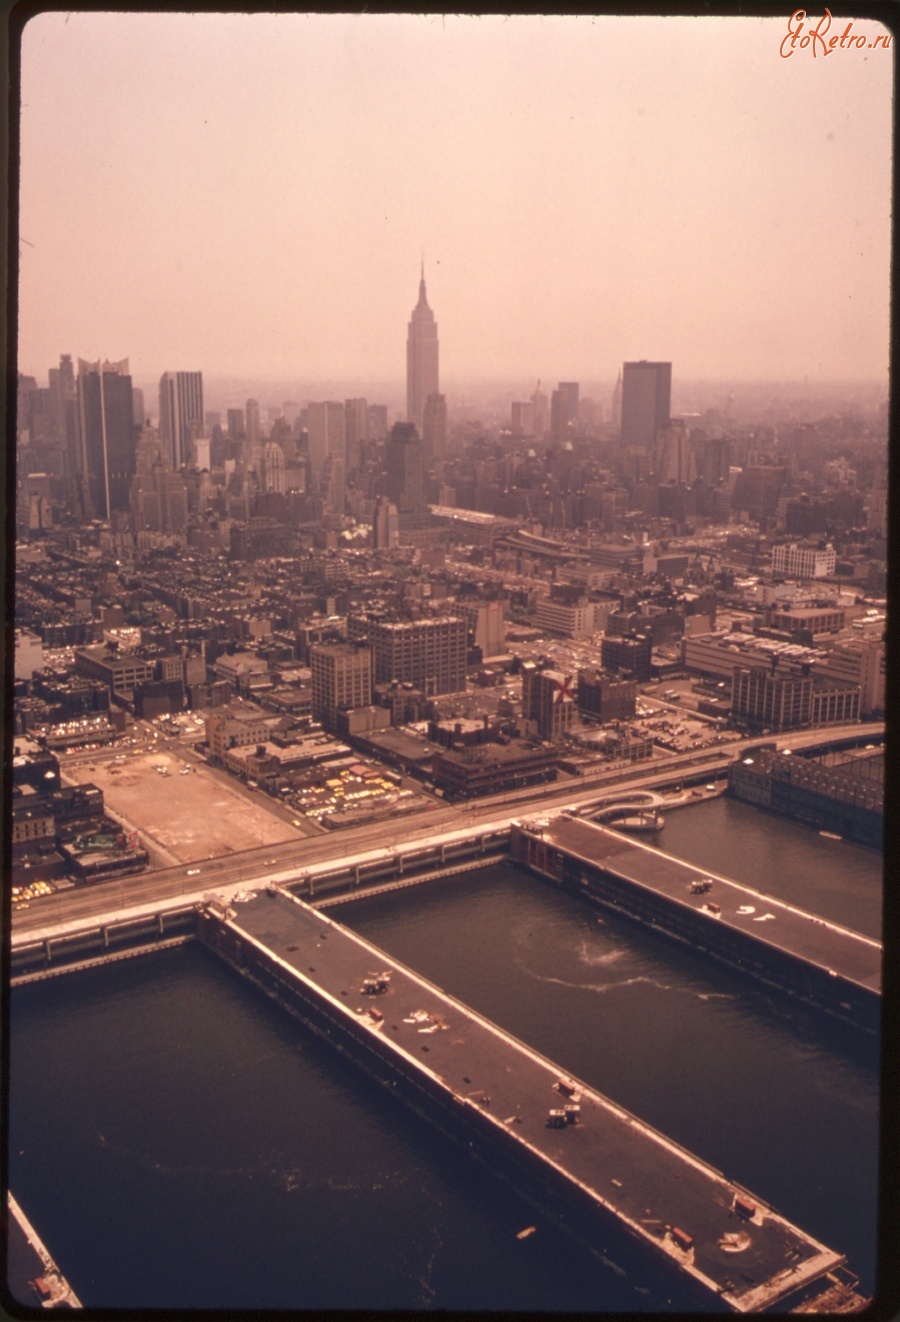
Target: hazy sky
<point>251,194</point>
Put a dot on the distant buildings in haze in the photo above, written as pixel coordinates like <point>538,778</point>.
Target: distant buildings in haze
<point>646,402</point>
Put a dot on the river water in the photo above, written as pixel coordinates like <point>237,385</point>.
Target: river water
<point>180,1142</point>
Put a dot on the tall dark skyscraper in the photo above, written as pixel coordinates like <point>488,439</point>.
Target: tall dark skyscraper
<point>421,359</point>
<point>107,435</point>
<point>405,472</point>
<point>180,414</point>
<point>646,398</point>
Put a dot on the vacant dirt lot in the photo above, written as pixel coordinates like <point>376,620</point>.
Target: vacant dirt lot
<point>187,817</point>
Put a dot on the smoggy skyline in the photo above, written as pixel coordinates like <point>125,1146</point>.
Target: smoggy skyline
<point>252,194</point>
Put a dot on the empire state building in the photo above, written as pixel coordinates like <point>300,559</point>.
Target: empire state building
<point>421,358</point>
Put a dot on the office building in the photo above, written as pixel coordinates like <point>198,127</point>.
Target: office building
<point>181,419</point>
<point>547,701</point>
<point>378,422</point>
<point>790,697</point>
<point>859,661</point>
<point>236,423</point>
<point>714,459</point>
<point>356,432</point>
<point>522,418</point>
<point>605,697</point>
<point>325,434</point>
<point>674,458</point>
<point>646,400</point>
<point>569,391</point>
<point>107,435</point>
<point>251,422</point>
<point>429,654</point>
<point>795,561</point>
<point>421,359</point>
<point>405,473</point>
<point>434,432</point>
<point>559,416</point>
<point>540,411</point>
<point>568,619</point>
<point>628,654</point>
<point>272,468</point>
<point>385,525</point>
<point>341,680</point>
<point>485,622</point>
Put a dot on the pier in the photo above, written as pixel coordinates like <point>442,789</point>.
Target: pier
<point>575,1155</point>
<point>33,1278</point>
<point>826,966</point>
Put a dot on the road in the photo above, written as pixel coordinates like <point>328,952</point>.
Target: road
<point>422,827</point>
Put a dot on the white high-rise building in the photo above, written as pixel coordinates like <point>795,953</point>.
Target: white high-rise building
<point>180,414</point>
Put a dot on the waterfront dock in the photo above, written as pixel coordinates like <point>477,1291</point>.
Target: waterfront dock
<point>819,962</point>
<point>594,1168</point>
<point>32,1277</point>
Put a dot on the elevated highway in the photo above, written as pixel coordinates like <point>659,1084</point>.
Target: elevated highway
<point>171,887</point>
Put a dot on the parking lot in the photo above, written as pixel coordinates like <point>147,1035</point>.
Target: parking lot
<point>183,809</point>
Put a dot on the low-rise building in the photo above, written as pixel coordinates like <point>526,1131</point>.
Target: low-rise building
<point>790,697</point>
<point>576,620</point>
<point>794,560</point>
<point>492,768</point>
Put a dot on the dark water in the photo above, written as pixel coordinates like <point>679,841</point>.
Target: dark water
<point>178,1141</point>
<point>834,878</point>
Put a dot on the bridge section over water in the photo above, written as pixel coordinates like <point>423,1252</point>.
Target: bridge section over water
<point>819,962</point>
<point>596,1169</point>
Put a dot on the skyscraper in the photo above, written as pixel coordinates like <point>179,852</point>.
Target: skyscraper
<point>356,430</point>
<point>251,415</point>
<point>434,431</point>
<point>325,432</point>
<point>405,472</point>
<point>548,700</point>
<point>539,414</point>
<point>646,398</point>
<point>273,468</point>
<point>421,359</point>
<point>674,458</point>
<point>180,414</point>
<point>385,525</point>
<point>570,390</point>
<point>106,435</point>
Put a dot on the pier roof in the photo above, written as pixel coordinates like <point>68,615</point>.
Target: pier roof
<point>749,1258</point>
<point>771,921</point>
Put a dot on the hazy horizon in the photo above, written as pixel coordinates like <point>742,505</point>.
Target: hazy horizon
<point>250,196</point>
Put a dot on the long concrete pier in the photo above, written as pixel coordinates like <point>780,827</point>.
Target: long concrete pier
<point>32,1277</point>
<point>816,961</point>
<point>586,1162</point>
